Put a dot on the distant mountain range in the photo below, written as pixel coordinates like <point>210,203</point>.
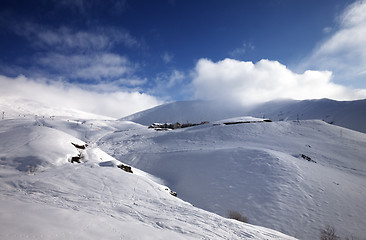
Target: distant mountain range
<point>348,114</point>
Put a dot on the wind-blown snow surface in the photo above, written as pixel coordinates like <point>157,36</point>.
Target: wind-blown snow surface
<point>257,170</point>
<point>349,114</point>
<point>44,196</point>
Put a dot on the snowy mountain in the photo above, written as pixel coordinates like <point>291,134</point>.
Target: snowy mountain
<point>46,196</point>
<point>295,177</point>
<point>186,111</point>
<point>349,114</point>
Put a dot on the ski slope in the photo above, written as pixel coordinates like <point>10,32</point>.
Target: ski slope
<point>257,170</point>
<point>45,196</point>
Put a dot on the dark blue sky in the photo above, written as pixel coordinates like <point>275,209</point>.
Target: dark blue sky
<point>154,46</point>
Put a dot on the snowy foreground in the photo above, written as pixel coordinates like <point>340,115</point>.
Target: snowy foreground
<point>45,196</point>
<point>296,177</point>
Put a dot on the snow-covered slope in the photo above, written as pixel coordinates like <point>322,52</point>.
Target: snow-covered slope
<point>186,111</point>
<point>260,170</point>
<point>349,114</point>
<point>292,176</point>
<point>45,196</point>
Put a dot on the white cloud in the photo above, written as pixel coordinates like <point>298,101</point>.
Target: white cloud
<point>248,83</point>
<point>344,52</point>
<point>78,55</point>
<point>175,78</point>
<point>97,66</point>
<point>65,38</point>
<point>64,95</point>
<point>354,15</point>
<point>102,68</point>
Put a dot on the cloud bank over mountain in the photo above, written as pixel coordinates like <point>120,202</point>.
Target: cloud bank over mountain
<point>334,69</point>
<point>88,98</point>
<point>250,83</point>
<point>108,60</point>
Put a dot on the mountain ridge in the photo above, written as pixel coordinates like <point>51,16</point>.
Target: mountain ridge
<point>349,114</point>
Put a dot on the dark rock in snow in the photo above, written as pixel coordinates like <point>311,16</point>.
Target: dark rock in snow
<point>125,168</point>
<point>307,158</point>
<point>79,146</point>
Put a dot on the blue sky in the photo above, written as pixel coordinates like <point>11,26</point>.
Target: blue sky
<point>148,52</point>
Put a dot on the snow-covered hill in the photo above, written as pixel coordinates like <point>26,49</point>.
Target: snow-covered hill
<point>349,114</point>
<point>45,196</point>
<point>295,176</point>
<point>186,111</point>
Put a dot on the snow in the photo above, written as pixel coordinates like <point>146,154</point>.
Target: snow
<point>243,119</point>
<point>45,196</point>
<point>349,114</point>
<point>256,169</point>
<point>185,111</point>
<point>253,168</point>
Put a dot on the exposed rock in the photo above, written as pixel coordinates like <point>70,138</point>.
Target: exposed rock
<point>171,192</point>
<point>307,158</point>
<point>125,168</point>
<point>76,159</point>
<point>167,126</point>
<point>79,146</point>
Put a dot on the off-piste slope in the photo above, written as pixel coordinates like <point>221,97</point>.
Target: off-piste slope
<point>45,196</point>
<point>292,176</point>
<point>349,114</point>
